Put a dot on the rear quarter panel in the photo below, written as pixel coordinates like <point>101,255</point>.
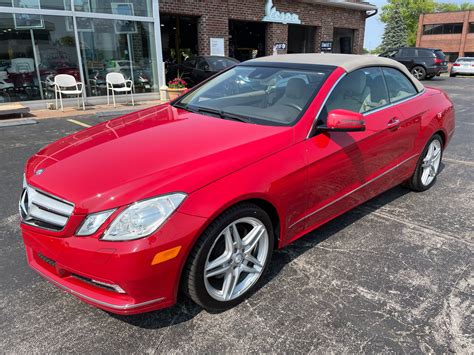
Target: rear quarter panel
<point>438,117</point>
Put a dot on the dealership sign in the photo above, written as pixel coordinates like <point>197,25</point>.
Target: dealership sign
<point>273,15</point>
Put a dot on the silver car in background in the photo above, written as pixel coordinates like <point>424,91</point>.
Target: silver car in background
<point>463,66</point>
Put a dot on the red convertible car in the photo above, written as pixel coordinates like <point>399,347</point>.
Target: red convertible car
<point>194,195</point>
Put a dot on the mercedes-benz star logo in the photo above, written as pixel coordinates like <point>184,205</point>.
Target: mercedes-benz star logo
<point>25,205</point>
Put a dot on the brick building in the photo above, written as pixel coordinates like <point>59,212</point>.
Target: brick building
<point>247,29</point>
<point>88,39</point>
<point>452,32</point>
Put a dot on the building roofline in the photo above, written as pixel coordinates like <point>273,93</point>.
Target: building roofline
<point>445,12</point>
<point>363,6</point>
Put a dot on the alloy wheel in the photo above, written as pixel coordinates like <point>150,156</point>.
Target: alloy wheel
<point>418,73</point>
<point>431,162</point>
<point>236,259</point>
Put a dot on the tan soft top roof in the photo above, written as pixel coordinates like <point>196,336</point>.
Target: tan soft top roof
<point>349,62</point>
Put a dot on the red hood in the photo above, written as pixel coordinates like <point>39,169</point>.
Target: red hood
<point>148,153</point>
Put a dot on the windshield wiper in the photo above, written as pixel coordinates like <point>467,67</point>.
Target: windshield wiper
<point>184,107</point>
<point>222,114</point>
<point>235,117</point>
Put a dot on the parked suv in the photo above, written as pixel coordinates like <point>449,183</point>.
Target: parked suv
<point>423,63</point>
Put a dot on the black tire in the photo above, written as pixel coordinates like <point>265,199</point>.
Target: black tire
<point>415,183</point>
<point>193,283</point>
<point>418,72</point>
<point>452,75</point>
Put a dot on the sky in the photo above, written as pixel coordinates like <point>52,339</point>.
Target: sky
<point>374,28</point>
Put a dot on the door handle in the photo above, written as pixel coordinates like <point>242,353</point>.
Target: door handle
<point>393,123</point>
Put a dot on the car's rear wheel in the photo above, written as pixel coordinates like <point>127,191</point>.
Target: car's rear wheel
<point>229,258</point>
<point>452,75</point>
<point>418,72</point>
<point>428,165</point>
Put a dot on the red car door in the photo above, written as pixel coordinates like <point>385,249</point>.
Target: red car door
<point>391,133</point>
<point>343,166</point>
<point>335,160</point>
<point>334,170</point>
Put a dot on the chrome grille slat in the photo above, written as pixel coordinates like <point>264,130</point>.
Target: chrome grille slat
<point>47,217</point>
<point>43,210</point>
<point>50,204</point>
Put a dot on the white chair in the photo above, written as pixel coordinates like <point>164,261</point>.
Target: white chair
<point>65,84</point>
<point>116,82</point>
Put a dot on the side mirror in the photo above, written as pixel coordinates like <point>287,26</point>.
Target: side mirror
<point>343,121</point>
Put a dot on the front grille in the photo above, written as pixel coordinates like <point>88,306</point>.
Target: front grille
<point>43,210</point>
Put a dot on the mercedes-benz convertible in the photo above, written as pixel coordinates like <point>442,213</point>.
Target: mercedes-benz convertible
<point>194,195</point>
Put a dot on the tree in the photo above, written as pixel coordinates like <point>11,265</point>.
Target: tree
<point>442,7</point>
<point>410,11</point>
<point>395,34</point>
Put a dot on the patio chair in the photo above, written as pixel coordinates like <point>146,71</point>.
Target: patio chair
<point>65,84</point>
<point>116,83</point>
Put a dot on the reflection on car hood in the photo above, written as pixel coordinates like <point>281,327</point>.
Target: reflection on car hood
<point>148,153</point>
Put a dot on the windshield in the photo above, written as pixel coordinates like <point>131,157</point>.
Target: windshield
<point>439,54</point>
<point>256,94</point>
<point>465,59</point>
<point>219,63</point>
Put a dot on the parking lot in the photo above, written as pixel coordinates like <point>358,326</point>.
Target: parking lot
<point>395,274</point>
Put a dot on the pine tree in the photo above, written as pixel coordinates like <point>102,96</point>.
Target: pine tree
<point>395,34</point>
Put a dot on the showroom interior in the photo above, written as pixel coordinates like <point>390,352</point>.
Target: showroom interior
<point>140,39</point>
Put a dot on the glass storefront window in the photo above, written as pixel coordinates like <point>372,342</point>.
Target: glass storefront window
<point>34,47</point>
<point>30,58</point>
<point>38,4</point>
<point>121,7</point>
<point>117,46</point>
<point>179,38</point>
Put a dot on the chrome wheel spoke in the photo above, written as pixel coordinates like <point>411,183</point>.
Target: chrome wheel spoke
<point>429,153</point>
<point>250,241</point>
<point>250,270</point>
<point>229,241</point>
<point>218,271</point>
<point>235,235</point>
<point>230,281</point>
<point>218,264</point>
<point>253,260</point>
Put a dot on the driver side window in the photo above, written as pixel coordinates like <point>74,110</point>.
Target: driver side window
<point>361,91</point>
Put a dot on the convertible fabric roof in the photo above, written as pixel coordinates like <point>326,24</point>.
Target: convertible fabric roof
<point>349,62</point>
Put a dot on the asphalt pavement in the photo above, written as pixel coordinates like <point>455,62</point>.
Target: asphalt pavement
<point>393,275</point>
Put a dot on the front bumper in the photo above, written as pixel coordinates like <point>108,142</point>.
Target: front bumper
<point>87,266</point>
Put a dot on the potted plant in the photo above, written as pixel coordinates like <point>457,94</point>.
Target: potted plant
<point>176,87</point>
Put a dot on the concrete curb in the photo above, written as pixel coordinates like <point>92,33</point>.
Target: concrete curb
<point>17,122</point>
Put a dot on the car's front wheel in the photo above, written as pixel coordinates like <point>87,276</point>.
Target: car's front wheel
<point>428,165</point>
<point>229,258</point>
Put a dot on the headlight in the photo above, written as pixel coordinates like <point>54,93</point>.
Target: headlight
<point>143,218</point>
<point>93,222</point>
